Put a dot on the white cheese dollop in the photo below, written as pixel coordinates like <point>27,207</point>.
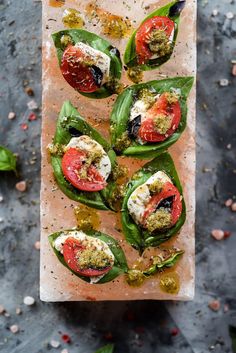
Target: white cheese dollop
<point>101,59</point>
<point>141,195</point>
<point>86,144</point>
<point>88,241</point>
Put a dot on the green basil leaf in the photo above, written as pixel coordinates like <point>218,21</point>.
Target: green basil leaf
<point>169,261</point>
<point>7,160</point>
<point>121,112</point>
<point>120,264</point>
<point>135,235</point>
<point>130,56</point>
<point>96,42</point>
<point>69,118</point>
<point>109,348</point>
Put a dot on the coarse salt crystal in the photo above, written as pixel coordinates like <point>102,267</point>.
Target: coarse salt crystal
<point>1,198</point>
<point>217,234</point>
<point>229,15</point>
<point>2,310</point>
<point>214,305</point>
<point>14,328</point>
<point>29,300</point>
<point>228,202</point>
<point>64,351</point>
<point>32,105</point>
<point>55,344</point>
<point>18,311</point>
<point>224,82</point>
<point>11,115</point>
<point>37,245</point>
<point>21,186</point>
<point>233,207</point>
<point>215,12</point>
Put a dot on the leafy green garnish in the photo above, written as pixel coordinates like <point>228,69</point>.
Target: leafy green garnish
<point>7,160</point>
<point>109,348</point>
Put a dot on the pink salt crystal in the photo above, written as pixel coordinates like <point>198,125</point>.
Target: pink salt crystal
<point>214,305</point>
<point>233,207</point>
<point>217,234</point>
<point>37,245</point>
<point>18,311</point>
<point>228,202</point>
<point>234,70</point>
<point>2,310</point>
<point>226,308</point>
<point>21,186</point>
<point>54,344</point>
<point>14,328</point>
<point>11,115</point>
<point>24,127</point>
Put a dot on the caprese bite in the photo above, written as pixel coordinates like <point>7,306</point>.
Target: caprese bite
<point>154,117</point>
<point>85,255</point>
<point>153,42</point>
<point>156,205</point>
<point>148,118</point>
<point>85,164</point>
<point>88,63</point>
<point>92,256</point>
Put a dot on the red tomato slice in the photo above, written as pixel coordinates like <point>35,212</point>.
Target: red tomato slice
<point>71,249</point>
<point>72,162</point>
<point>143,33</point>
<point>148,132</point>
<point>176,209</point>
<point>75,72</point>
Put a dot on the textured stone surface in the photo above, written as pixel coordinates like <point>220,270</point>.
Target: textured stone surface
<point>57,283</point>
<point>87,323</point>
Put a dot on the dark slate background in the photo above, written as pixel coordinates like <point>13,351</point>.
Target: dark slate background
<point>135,327</point>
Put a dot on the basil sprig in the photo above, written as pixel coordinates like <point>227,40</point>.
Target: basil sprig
<point>171,10</point>
<point>70,124</point>
<point>140,238</point>
<point>98,43</point>
<point>109,348</point>
<point>7,160</point>
<point>122,107</point>
<point>120,264</point>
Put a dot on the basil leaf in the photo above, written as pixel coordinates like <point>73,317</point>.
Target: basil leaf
<point>109,348</point>
<point>96,42</point>
<point>130,56</point>
<point>134,234</point>
<point>120,264</point>
<point>70,120</point>
<point>121,112</point>
<point>7,160</point>
<point>169,261</point>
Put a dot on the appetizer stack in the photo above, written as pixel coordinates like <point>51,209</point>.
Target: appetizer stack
<point>146,119</point>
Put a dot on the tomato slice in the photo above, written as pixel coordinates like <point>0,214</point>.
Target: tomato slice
<point>148,131</point>
<point>143,34</point>
<point>72,162</point>
<point>71,249</point>
<point>176,209</point>
<point>78,74</point>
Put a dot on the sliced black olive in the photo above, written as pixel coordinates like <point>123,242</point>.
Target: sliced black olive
<point>166,203</point>
<point>176,9</point>
<point>133,126</point>
<point>114,51</point>
<point>97,75</point>
<point>74,132</point>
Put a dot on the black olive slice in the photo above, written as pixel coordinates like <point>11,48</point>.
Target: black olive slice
<point>114,51</point>
<point>133,126</point>
<point>176,9</point>
<point>97,75</point>
<point>166,203</point>
<point>74,132</point>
